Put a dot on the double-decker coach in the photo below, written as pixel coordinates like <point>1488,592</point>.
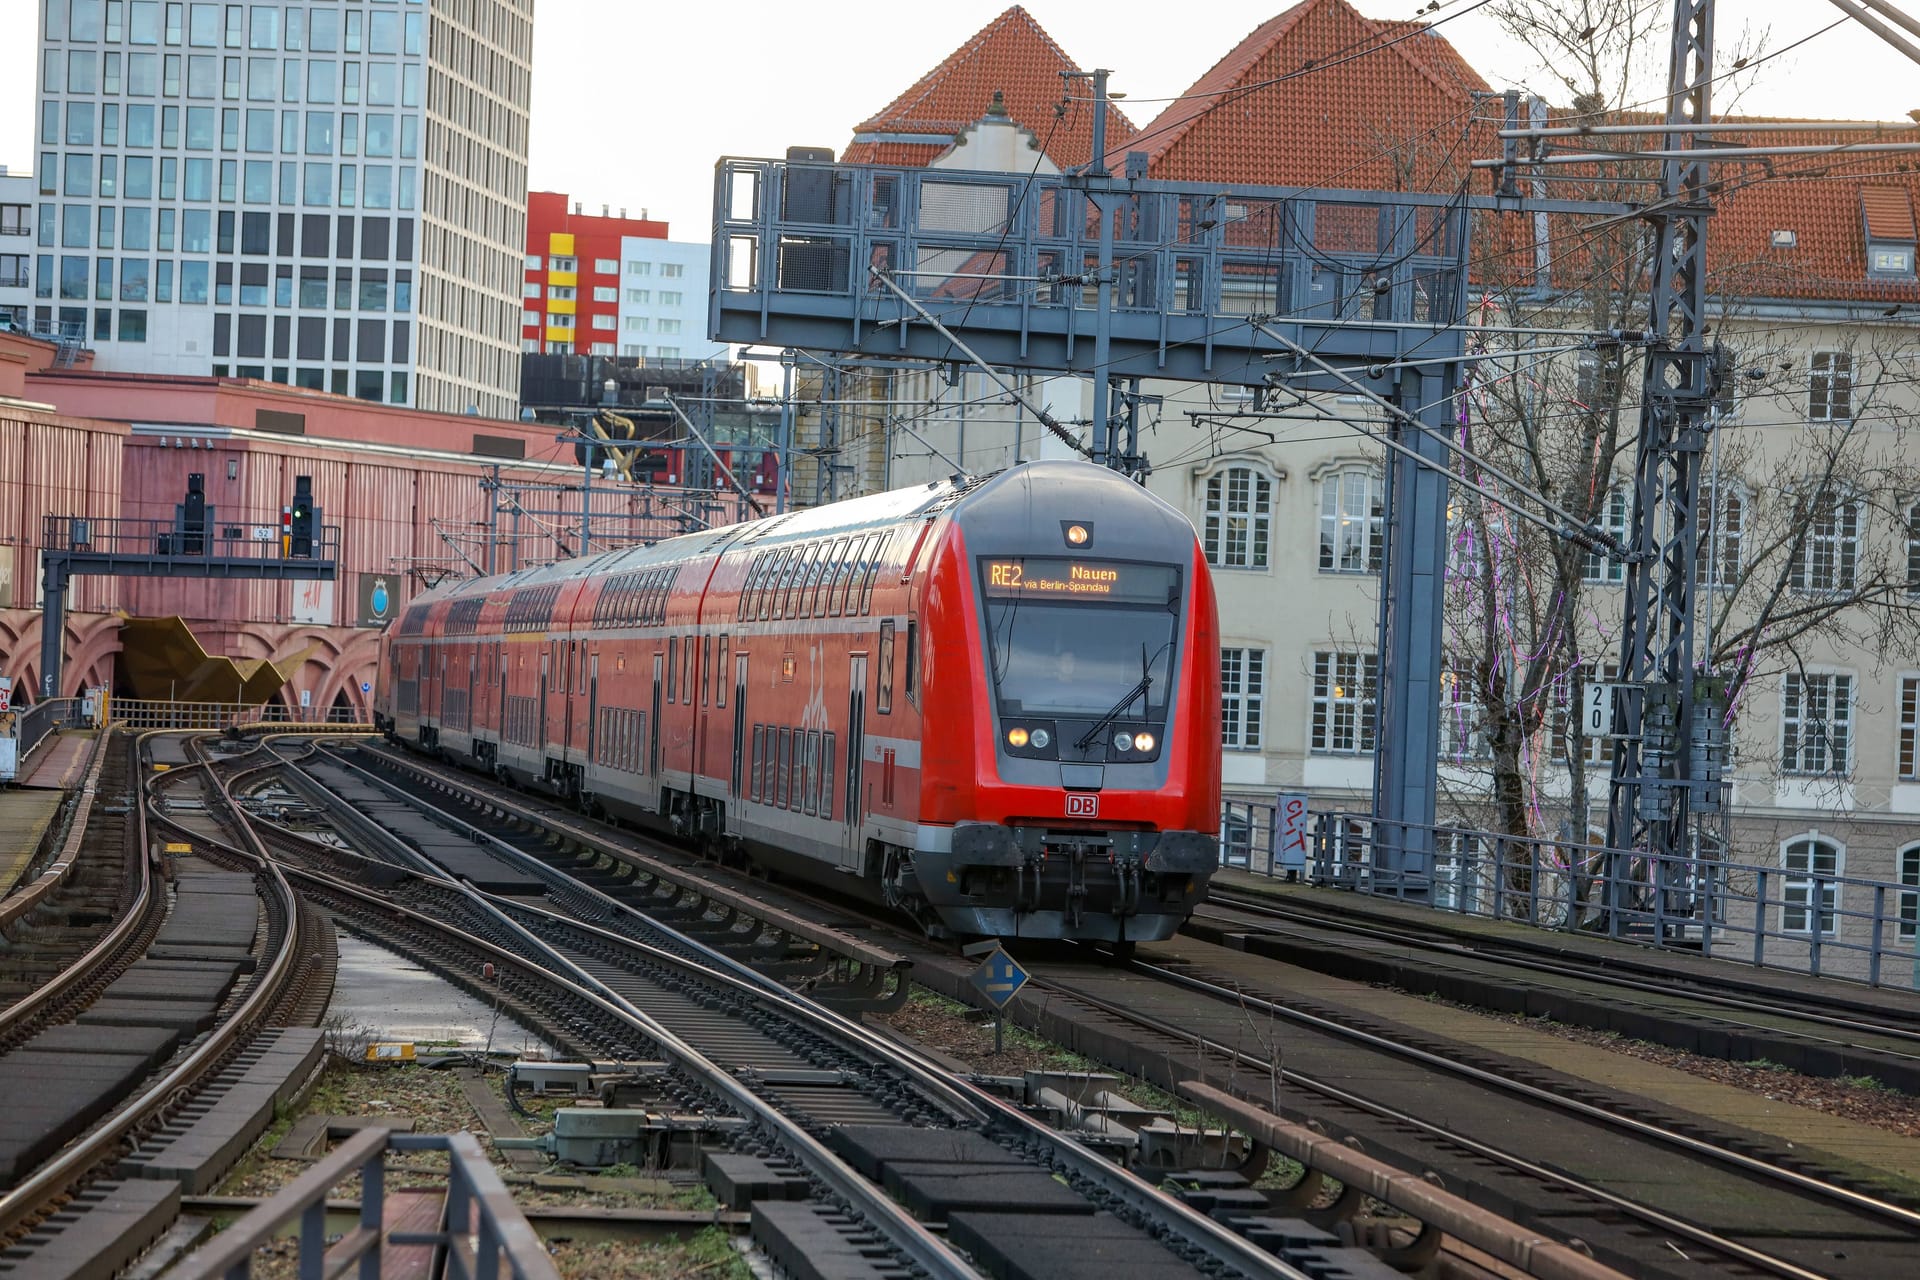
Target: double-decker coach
<point>991,703</point>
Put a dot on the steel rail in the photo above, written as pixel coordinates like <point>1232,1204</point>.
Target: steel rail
<point>913,1240</point>
<point>1198,1230</point>
<point>1495,953</point>
<point>89,963</point>
<point>1519,1164</point>
<point>28,1197</point>
<point>1855,1200</point>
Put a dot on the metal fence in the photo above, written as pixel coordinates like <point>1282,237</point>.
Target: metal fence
<point>482,1233</point>
<point>159,714</point>
<point>1778,917</point>
<point>42,718</point>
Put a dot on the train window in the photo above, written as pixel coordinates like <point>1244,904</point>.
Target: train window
<point>686,671</point>
<point>558,669</point>
<point>776,584</point>
<point>753,767</point>
<point>883,678</point>
<point>847,575</point>
<point>762,594</point>
<point>913,663</point>
<point>797,582</point>
<point>706,671</point>
<point>826,776</point>
<point>803,799</point>
<point>673,663</point>
<point>746,588</point>
<point>720,680</point>
<point>833,564</point>
<point>786,767</point>
<point>876,546</point>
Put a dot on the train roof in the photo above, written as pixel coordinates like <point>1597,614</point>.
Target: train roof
<point>873,511</point>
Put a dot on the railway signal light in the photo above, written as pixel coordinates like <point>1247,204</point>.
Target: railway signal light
<point>301,522</point>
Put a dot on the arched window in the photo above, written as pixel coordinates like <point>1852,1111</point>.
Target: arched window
<point>1238,518</point>
<point>1352,509</point>
<point>1810,895</point>
<point>1908,861</point>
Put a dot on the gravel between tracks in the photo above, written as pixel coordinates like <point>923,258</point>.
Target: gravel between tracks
<point>1863,1100</point>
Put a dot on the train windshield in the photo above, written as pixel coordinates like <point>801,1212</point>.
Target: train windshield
<point>1070,638</point>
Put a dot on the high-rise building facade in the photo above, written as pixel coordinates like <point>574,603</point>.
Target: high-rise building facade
<point>570,302</point>
<point>330,194</point>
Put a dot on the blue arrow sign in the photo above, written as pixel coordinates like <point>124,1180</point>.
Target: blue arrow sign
<point>999,978</point>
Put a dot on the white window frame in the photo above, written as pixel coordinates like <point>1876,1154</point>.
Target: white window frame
<point>605,293</point>
<point>672,270</point>
<point>1913,546</point>
<point>635,267</point>
<point>1463,719</point>
<point>1828,557</point>
<point>563,264</point>
<point>1243,689</point>
<point>1906,865</point>
<point>640,297</point>
<point>1722,546</point>
<point>1830,386</point>
<point>1343,530</point>
<point>1616,512</point>
<point>560,321</point>
<point>606,322</point>
<point>1238,526</point>
<point>1344,716</point>
<point>529,318</point>
<point>1816,723</point>
<point>532,289</point>
<point>1798,910</point>
<point>606,266</point>
<point>1906,742</point>
<point>635,324</point>
<point>535,262</point>
<point>563,292</point>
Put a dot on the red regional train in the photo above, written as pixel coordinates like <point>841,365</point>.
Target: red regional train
<point>992,703</point>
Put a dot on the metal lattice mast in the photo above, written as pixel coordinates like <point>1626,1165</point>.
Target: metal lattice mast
<point>1659,778</point>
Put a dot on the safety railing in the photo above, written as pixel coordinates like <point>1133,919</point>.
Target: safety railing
<point>482,1233</point>
<point>801,242</point>
<point>1795,918</point>
<point>41,719</point>
<point>137,713</point>
<point>217,537</point>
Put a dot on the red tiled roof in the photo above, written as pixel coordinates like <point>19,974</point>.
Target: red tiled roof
<point>1888,211</point>
<point>1012,55</point>
<point>1314,95</point>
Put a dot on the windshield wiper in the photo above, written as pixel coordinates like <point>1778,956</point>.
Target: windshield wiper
<point>1146,683</point>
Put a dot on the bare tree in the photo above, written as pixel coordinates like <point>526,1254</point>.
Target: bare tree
<point>1797,562</point>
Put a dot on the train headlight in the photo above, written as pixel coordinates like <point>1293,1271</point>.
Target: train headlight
<point>1143,742</point>
<point>1040,739</point>
<point>1123,741</point>
<point>1017,737</point>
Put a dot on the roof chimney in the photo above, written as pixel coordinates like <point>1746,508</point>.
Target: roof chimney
<point>643,216</point>
<point>623,211</point>
<point>603,211</point>
<point>576,208</point>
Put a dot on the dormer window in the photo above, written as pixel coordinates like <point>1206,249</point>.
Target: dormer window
<point>1887,213</point>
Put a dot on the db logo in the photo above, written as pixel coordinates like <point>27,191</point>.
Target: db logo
<point>1082,806</point>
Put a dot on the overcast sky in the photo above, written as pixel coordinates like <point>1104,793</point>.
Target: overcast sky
<point>632,103</point>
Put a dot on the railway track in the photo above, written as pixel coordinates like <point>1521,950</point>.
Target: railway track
<point>896,1163</point>
<point>1852,1036</point>
<point>1651,1192</point>
<point>146,1064</point>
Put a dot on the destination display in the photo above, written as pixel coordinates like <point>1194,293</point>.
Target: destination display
<point>1109,581</point>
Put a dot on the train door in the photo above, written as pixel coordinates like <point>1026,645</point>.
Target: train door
<point>739,722</point>
<point>653,721</point>
<point>540,742</point>
<point>593,705</point>
<point>570,682</point>
<point>500,711</point>
<point>440,692</point>
<point>473,668</point>
<point>853,842</point>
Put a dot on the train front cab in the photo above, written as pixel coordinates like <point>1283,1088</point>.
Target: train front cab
<point>1059,621</point>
